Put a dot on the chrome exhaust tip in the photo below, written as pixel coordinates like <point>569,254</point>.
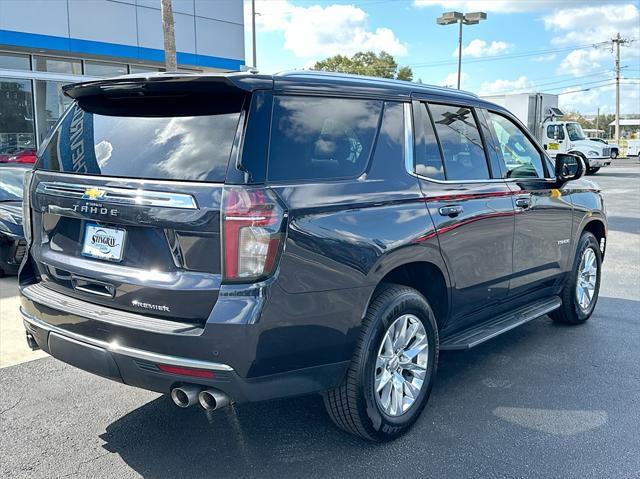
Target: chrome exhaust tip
<point>212,399</point>
<point>31,342</point>
<point>185,396</point>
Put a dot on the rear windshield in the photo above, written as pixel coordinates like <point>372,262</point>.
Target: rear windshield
<point>123,144</point>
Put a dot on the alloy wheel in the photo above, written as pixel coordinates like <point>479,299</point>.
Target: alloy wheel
<point>586,281</point>
<point>401,365</point>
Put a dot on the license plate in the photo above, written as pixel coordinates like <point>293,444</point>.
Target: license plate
<point>554,146</point>
<point>103,243</point>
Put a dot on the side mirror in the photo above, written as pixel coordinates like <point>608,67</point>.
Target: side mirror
<point>569,167</point>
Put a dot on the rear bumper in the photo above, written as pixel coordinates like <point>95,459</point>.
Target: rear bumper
<point>257,350</point>
<point>139,367</point>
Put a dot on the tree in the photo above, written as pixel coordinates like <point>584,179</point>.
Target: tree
<point>365,63</point>
<point>405,73</point>
<point>578,118</point>
<point>169,36</point>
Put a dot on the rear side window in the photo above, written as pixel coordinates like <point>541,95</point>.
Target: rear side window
<point>428,155</point>
<point>464,156</point>
<point>192,147</point>
<point>321,138</point>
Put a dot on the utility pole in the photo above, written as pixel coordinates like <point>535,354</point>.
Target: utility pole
<point>617,41</point>
<point>459,55</point>
<point>253,32</point>
<point>597,121</point>
<point>169,35</point>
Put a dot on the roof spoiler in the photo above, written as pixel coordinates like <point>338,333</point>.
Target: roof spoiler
<point>167,84</point>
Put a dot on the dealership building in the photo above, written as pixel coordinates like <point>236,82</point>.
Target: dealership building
<point>45,44</point>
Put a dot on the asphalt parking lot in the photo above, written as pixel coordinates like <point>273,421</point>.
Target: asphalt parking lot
<point>541,401</point>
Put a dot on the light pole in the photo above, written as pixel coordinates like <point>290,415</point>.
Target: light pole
<point>449,18</point>
<point>253,32</point>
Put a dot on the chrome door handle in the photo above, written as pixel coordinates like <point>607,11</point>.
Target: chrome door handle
<point>523,202</point>
<point>453,210</point>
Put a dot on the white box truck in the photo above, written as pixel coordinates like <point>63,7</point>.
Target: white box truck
<point>539,112</point>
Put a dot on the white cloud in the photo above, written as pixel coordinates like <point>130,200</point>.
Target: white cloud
<point>451,80</point>
<point>593,23</point>
<point>572,100</point>
<point>580,62</point>
<point>480,48</point>
<point>506,86</point>
<point>321,31</point>
<point>499,6</point>
<point>587,100</point>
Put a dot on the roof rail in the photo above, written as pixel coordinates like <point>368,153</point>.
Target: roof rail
<point>373,80</point>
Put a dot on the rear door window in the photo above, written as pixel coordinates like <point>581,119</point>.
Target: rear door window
<point>316,138</point>
<point>123,143</point>
<point>462,148</point>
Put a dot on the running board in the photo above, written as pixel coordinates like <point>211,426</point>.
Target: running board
<point>480,333</point>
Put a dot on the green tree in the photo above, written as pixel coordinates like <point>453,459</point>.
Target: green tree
<point>578,118</point>
<point>365,63</point>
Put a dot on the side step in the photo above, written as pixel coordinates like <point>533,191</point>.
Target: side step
<point>480,333</point>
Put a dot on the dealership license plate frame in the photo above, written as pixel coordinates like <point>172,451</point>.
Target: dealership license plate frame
<point>115,255</point>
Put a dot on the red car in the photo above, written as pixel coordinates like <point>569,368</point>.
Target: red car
<point>24,156</point>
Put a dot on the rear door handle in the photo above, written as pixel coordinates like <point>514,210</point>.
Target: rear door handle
<point>452,210</point>
<point>523,202</point>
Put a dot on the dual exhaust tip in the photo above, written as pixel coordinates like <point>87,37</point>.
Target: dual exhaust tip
<point>210,399</point>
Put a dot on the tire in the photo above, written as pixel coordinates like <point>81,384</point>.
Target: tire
<point>571,312</point>
<point>593,171</point>
<point>355,406</point>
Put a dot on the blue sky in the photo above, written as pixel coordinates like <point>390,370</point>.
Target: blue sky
<point>537,45</point>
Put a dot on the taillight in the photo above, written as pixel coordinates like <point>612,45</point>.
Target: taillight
<point>253,231</point>
<point>26,206</point>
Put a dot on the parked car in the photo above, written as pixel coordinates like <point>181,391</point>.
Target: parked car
<point>19,156</point>
<point>615,149</point>
<point>272,236</point>
<point>12,243</point>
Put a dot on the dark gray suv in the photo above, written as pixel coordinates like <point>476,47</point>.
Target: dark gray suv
<point>245,237</point>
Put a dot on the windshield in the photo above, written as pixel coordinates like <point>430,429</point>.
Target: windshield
<point>11,183</point>
<point>575,132</point>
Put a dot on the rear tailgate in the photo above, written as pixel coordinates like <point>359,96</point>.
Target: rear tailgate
<point>126,199</point>
<point>166,243</point>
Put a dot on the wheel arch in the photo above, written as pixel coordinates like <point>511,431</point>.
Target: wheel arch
<point>426,277</point>
<point>598,229</point>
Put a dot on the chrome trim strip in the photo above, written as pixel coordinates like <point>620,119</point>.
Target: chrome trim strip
<point>126,196</point>
<point>114,347</point>
<point>60,302</point>
<point>409,161</point>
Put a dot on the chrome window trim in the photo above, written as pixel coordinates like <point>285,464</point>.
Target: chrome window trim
<point>410,165</point>
<point>409,160</point>
<point>121,196</point>
<point>114,347</point>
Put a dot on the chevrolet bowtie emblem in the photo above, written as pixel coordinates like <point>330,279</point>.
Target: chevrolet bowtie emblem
<point>93,194</point>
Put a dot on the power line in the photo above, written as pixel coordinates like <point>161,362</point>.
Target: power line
<point>604,72</point>
<point>506,56</point>
<point>586,89</point>
<point>613,82</point>
<point>579,84</point>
